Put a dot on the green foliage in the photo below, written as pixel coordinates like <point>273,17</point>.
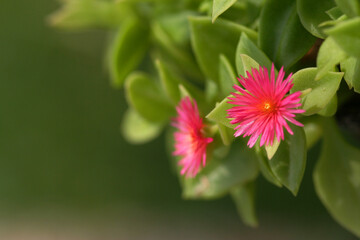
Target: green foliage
<point>137,130</point>
<point>165,50</point>
<point>220,6</point>
<point>337,178</point>
<point>129,47</point>
<point>281,34</point>
<point>209,40</point>
<point>247,47</point>
<point>347,35</point>
<point>288,163</point>
<point>351,67</point>
<point>222,174</point>
<point>243,196</point>
<point>350,7</point>
<point>146,97</point>
<point>313,13</point>
<point>321,91</point>
<point>330,54</point>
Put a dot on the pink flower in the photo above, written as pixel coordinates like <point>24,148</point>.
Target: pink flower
<point>262,108</point>
<point>190,142</point>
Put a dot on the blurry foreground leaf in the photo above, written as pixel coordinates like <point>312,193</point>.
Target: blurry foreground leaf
<point>337,178</point>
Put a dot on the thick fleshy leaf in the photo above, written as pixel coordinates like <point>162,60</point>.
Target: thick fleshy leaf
<point>349,7</point>
<point>322,90</point>
<point>169,81</point>
<point>227,76</point>
<point>330,55</point>
<point>281,35</point>
<point>219,113</point>
<point>226,134</point>
<point>128,49</point>
<point>312,13</point>
<point>271,149</point>
<point>209,40</point>
<point>347,35</point>
<point>334,13</point>
<point>244,199</point>
<point>313,130</point>
<point>247,64</point>
<point>248,47</point>
<point>288,163</point>
<point>337,178</point>
<point>265,168</point>
<point>351,67</point>
<point>221,175</point>
<point>137,130</point>
<point>220,6</point>
<point>146,97</point>
<point>330,109</point>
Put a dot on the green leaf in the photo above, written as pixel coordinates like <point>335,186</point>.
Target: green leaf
<point>281,34</point>
<point>347,35</point>
<point>247,47</point>
<point>312,13</point>
<point>265,168</point>
<point>220,6</point>
<point>288,163</point>
<point>83,14</point>
<point>330,109</point>
<point>127,50</point>
<point>351,67</point>
<point>219,113</point>
<point>271,149</point>
<point>169,81</point>
<point>210,40</point>
<point>173,51</point>
<point>227,76</point>
<point>136,129</point>
<point>226,134</point>
<point>337,178</point>
<point>313,130</point>
<point>334,13</point>
<point>221,175</point>
<point>146,97</point>
<point>330,54</point>
<point>349,7</point>
<point>244,199</point>
<point>322,90</point>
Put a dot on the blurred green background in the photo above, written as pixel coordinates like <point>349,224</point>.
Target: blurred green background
<point>67,173</point>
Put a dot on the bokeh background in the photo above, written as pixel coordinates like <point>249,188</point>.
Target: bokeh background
<point>67,173</point>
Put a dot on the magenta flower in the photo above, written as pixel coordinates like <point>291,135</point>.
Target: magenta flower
<point>262,106</point>
<point>190,142</point>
